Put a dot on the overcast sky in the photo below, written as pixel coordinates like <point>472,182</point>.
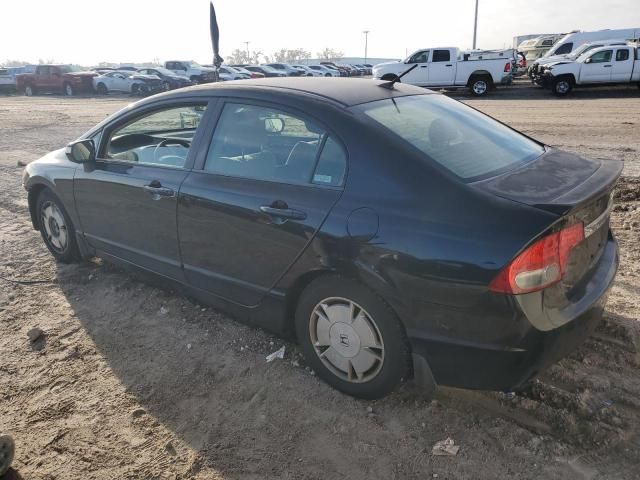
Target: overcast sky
<point>90,31</point>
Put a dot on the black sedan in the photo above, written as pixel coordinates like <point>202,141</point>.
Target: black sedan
<point>266,70</point>
<point>392,230</point>
<point>170,80</point>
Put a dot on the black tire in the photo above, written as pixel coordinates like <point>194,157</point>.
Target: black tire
<point>102,89</point>
<point>392,362</point>
<point>69,252</point>
<point>195,79</point>
<point>562,87</point>
<point>68,90</point>
<point>7,451</point>
<point>480,85</point>
<point>29,90</point>
<point>166,86</point>
<point>327,74</point>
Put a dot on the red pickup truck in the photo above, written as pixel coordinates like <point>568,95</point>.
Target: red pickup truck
<point>66,79</point>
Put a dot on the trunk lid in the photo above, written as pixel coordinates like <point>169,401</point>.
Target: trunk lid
<point>573,188</point>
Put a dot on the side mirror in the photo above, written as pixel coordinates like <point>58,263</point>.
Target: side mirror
<point>588,60</point>
<point>273,125</point>
<point>82,151</point>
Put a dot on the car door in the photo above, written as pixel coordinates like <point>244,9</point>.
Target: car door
<point>127,199</point>
<point>597,68</point>
<point>622,65</point>
<point>267,182</point>
<point>43,79</point>
<point>420,74</point>
<point>441,68</point>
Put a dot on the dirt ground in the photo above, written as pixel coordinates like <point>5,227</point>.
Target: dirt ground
<point>130,380</point>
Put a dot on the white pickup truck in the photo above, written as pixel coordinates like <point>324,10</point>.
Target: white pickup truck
<point>195,72</point>
<point>600,66</point>
<point>451,68</point>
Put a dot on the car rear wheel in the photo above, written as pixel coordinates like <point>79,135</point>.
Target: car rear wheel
<point>166,86</point>
<point>68,90</point>
<point>479,86</point>
<point>29,91</point>
<point>351,337</point>
<point>102,89</point>
<point>562,87</point>
<point>56,228</point>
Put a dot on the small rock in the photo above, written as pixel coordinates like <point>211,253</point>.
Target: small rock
<point>90,276</point>
<point>312,373</point>
<point>164,310</point>
<point>188,346</point>
<point>34,334</point>
<point>295,363</point>
<point>435,403</point>
<point>369,409</point>
<point>138,412</point>
<point>170,449</point>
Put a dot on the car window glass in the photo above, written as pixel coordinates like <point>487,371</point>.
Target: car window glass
<point>332,165</point>
<point>464,141</point>
<point>564,48</point>
<point>160,138</point>
<point>547,43</point>
<point>420,57</point>
<point>441,56</point>
<point>264,143</point>
<point>622,55</point>
<point>44,70</point>
<point>602,56</point>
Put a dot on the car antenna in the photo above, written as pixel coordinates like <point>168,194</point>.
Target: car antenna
<point>389,85</point>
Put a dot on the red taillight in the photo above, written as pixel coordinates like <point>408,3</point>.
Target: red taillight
<point>542,264</point>
<point>507,67</point>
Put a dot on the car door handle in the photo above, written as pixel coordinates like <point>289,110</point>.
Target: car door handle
<point>283,212</point>
<point>449,65</point>
<point>423,66</point>
<point>607,66</point>
<point>156,190</point>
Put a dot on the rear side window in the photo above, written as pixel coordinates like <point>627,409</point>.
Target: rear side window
<point>265,143</point>
<point>564,48</point>
<point>622,55</point>
<point>441,56</point>
<point>466,142</point>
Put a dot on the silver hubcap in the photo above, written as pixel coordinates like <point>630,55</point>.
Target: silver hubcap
<point>562,87</point>
<point>28,91</point>
<point>69,90</point>
<point>346,339</point>
<point>480,87</point>
<point>54,227</point>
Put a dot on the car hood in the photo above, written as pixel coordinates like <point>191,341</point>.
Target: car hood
<point>556,181</point>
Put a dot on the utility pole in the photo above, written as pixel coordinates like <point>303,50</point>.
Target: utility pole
<point>248,54</point>
<point>366,44</point>
<point>475,27</point>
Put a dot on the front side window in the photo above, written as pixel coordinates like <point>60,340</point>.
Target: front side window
<point>564,48</point>
<point>161,138</point>
<point>269,144</point>
<point>602,56</point>
<point>419,57</point>
<point>466,142</point>
<point>622,55</point>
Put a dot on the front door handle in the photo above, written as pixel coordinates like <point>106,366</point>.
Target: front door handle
<point>156,190</point>
<point>607,66</point>
<point>449,65</point>
<point>423,66</point>
<point>286,212</point>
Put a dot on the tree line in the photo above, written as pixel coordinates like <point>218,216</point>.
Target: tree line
<point>284,55</point>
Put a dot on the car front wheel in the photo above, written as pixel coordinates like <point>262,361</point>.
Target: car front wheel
<point>29,91</point>
<point>351,337</point>
<point>562,87</point>
<point>68,90</point>
<point>56,228</point>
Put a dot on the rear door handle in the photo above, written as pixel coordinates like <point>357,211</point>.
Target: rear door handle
<point>607,66</point>
<point>423,66</point>
<point>156,190</point>
<point>289,213</point>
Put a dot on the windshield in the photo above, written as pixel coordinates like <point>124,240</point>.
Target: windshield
<point>195,65</point>
<point>267,68</point>
<point>70,68</point>
<point>164,71</point>
<point>466,142</point>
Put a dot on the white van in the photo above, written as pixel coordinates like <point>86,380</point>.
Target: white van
<point>571,41</point>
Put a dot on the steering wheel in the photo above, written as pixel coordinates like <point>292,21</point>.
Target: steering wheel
<point>170,141</point>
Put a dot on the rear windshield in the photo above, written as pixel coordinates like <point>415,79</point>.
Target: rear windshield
<point>464,141</point>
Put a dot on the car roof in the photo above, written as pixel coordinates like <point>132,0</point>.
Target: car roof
<point>344,91</point>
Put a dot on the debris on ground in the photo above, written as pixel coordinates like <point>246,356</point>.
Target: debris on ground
<point>277,354</point>
<point>35,334</point>
<point>445,448</point>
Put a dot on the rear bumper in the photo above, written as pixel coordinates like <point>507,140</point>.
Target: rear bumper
<point>500,366</point>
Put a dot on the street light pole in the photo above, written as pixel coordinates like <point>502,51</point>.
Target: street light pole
<point>248,54</point>
<point>366,44</point>
<point>475,26</point>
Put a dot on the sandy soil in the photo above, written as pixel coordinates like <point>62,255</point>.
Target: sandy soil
<point>130,380</point>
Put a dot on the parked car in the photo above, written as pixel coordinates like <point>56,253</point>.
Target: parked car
<point>308,72</point>
<point>128,68</point>
<point>344,71</point>
<point>265,70</point>
<point>479,71</point>
<point>537,67</point>
<point>534,48</point>
<point>127,82</point>
<point>600,66</point>
<point>233,74</point>
<point>573,40</point>
<point>192,70</point>
<point>7,81</point>
<point>286,69</point>
<point>170,81</point>
<point>242,69</point>
<point>67,79</point>
<point>495,264</point>
<point>325,70</point>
